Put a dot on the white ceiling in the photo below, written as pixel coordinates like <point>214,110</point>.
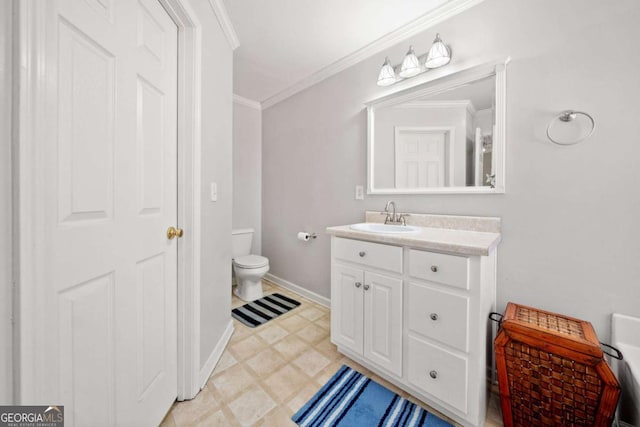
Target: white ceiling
<point>285,41</point>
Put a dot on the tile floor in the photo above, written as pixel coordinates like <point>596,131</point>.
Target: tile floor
<point>267,373</point>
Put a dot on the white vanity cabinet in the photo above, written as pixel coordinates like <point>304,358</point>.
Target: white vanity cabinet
<point>367,311</point>
<point>416,317</point>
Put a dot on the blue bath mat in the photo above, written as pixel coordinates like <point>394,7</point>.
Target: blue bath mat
<point>350,399</point>
<point>262,310</point>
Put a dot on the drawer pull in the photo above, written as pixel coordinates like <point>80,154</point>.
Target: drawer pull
<point>358,284</point>
<point>434,268</point>
<point>434,316</point>
<point>433,374</point>
<point>366,287</point>
<point>362,254</point>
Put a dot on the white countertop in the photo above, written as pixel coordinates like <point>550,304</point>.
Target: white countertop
<point>457,242</point>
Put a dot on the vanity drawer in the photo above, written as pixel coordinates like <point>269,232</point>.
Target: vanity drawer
<point>438,372</point>
<point>375,255</point>
<point>446,269</point>
<point>438,315</point>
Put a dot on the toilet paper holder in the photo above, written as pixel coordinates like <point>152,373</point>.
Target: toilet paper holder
<point>305,237</point>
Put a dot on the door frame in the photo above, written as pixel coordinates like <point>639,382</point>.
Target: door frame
<point>34,101</point>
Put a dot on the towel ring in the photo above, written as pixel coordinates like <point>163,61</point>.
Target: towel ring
<point>566,117</point>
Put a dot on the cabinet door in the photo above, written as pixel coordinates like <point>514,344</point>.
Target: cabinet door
<point>347,307</point>
<point>383,321</point>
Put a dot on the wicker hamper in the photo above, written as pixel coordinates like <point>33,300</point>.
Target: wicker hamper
<point>551,371</point>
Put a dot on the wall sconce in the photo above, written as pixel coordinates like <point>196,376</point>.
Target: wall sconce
<point>411,66</point>
<point>387,75</point>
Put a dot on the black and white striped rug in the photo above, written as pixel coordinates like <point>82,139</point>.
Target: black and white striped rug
<point>262,310</point>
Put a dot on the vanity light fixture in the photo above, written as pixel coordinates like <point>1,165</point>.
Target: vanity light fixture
<point>387,74</point>
<point>412,65</point>
<point>438,55</point>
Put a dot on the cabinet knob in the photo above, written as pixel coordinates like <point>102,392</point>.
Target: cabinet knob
<point>366,287</point>
<point>434,268</point>
<point>358,284</point>
<point>362,254</point>
<point>433,374</point>
<point>434,316</point>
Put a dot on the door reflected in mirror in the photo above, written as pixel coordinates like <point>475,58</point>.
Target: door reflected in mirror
<point>440,137</point>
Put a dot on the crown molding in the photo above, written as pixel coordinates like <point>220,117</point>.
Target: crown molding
<point>225,23</point>
<point>241,100</point>
<point>414,27</point>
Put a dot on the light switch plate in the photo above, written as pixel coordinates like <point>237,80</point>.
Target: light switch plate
<point>359,192</point>
<point>214,192</point>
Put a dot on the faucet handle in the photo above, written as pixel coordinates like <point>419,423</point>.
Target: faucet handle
<point>403,218</point>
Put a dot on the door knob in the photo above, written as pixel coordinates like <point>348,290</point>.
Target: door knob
<point>358,284</point>
<point>366,287</point>
<point>434,268</point>
<point>174,232</point>
<point>433,374</point>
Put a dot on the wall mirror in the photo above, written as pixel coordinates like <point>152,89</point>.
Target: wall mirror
<point>442,136</point>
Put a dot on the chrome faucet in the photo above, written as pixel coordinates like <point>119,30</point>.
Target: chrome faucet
<point>394,217</point>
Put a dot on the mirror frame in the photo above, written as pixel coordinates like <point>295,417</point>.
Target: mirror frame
<point>433,86</point>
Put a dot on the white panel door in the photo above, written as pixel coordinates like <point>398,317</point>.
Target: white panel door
<point>112,193</point>
<point>383,321</point>
<point>347,307</point>
<point>420,158</point>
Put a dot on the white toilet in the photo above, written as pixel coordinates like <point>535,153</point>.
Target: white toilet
<point>249,269</point>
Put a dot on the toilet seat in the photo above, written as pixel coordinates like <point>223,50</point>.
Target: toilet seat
<point>251,261</point>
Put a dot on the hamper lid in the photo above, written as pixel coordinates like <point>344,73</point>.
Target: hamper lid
<point>565,331</point>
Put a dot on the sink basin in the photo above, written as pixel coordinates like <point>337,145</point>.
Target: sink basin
<point>372,227</point>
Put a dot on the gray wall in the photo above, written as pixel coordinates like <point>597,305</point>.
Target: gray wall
<point>5,204</point>
<point>217,84</point>
<point>247,171</point>
<point>571,230</point>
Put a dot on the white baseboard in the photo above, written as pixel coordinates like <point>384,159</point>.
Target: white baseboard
<point>299,290</point>
<point>211,363</point>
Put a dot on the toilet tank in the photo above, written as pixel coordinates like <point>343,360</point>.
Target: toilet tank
<point>241,242</point>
